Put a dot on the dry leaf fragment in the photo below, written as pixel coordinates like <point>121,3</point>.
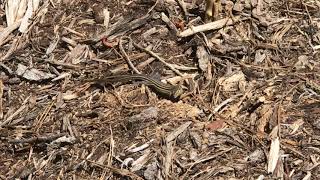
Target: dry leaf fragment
<point>146,114</point>
<point>33,74</point>
<point>12,8</point>
<point>303,63</point>
<point>203,58</point>
<point>263,121</point>
<point>261,177</point>
<point>78,53</point>
<point>26,18</point>
<point>296,125</point>
<point>235,82</point>
<point>273,154</point>
<point>260,56</point>
<point>196,139</point>
<point>106,19</point>
<point>69,96</point>
<point>151,171</point>
<point>238,6</point>
<point>256,156</point>
<point>308,176</point>
<point>141,161</point>
<point>215,125</point>
<point>182,110</point>
<point>98,12</point>
<point>177,131</point>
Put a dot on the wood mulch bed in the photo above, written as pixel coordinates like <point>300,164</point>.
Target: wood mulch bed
<point>250,106</point>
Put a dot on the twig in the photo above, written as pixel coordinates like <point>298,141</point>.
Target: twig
<point>25,172</point>
<point>91,154</point>
<point>1,94</point>
<point>11,50</point>
<point>122,172</point>
<point>209,26</point>
<point>9,70</point>
<point>122,28</point>
<point>39,121</point>
<point>6,32</point>
<point>39,139</point>
<point>183,7</point>
<point>111,150</point>
<point>158,57</point>
<point>123,52</point>
<point>10,118</point>
<point>168,158</point>
<point>51,61</point>
<point>170,24</point>
<point>225,102</point>
<point>178,131</point>
<point>146,62</point>
<point>155,4</point>
<point>205,159</point>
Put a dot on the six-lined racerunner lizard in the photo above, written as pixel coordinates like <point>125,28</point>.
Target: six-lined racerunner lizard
<point>167,90</point>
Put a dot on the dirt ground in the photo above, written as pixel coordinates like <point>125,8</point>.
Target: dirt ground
<point>250,107</point>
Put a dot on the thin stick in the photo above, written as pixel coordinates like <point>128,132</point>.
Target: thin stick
<point>209,26</point>
<point>1,94</point>
<point>38,139</point>
<point>184,8</point>
<point>123,172</point>
<point>158,57</point>
<point>126,56</point>
<point>155,4</point>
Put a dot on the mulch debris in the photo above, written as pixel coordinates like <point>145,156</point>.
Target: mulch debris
<point>250,107</point>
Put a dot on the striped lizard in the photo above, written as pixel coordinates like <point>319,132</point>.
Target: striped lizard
<point>166,90</point>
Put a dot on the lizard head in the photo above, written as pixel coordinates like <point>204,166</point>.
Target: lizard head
<point>178,91</point>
